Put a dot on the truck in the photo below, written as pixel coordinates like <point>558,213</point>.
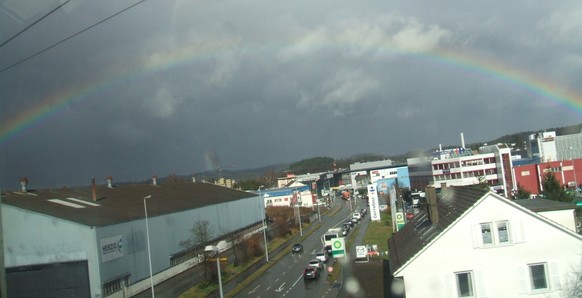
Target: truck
<point>329,235</point>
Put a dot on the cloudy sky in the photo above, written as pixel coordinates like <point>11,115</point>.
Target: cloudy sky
<point>134,89</point>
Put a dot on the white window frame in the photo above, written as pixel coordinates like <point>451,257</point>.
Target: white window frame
<point>480,236</point>
<point>471,283</point>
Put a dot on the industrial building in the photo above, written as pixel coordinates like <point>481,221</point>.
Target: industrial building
<point>112,240</point>
<point>462,166</point>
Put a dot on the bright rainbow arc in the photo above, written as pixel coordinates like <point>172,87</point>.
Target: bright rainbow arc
<point>52,105</point>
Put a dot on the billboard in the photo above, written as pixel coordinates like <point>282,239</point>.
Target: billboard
<point>373,202</point>
<point>111,248</point>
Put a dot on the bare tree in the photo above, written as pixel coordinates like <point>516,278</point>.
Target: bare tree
<point>574,283</point>
<point>201,234</point>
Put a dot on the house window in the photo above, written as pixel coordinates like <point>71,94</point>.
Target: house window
<point>486,233</point>
<point>464,284</point>
<point>502,235</point>
<point>538,276</point>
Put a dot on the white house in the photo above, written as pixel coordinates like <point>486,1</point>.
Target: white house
<point>474,243</point>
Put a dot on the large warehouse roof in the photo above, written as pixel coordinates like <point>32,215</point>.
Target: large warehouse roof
<point>121,203</point>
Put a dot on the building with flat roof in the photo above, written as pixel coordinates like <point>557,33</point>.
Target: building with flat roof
<point>461,166</point>
<point>92,241</point>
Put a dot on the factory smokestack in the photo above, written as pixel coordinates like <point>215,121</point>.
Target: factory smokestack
<point>93,189</point>
<point>462,141</point>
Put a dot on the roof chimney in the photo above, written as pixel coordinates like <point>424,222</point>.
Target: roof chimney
<point>93,189</point>
<point>23,183</point>
<point>433,211</point>
<point>154,180</point>
<point>109,181</point>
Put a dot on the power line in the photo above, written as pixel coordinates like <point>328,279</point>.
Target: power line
<point>34,23</point>
<point>71,36</point>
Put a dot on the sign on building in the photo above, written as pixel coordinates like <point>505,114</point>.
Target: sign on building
<point>111,248</point>
<point>373,202</point>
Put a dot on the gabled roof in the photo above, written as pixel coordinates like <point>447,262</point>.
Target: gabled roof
<point>415,235</point>
<point>121,203</point>
<point>458,201</point>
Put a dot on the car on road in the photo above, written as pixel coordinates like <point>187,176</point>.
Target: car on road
<point>356,216</point>
<point>345,231</point>
<point>322,256</point>
<point>310,273</point>
<point>316,263</point>
<point>297,248</point>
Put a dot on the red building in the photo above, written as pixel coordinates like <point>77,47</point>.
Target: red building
<point>566,172</point>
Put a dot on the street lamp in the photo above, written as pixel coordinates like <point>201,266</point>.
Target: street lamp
<point>145,207</point>
<point>263,210</point>
<point>215,249</point>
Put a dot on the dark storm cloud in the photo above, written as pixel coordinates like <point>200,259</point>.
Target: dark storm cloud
<point>188,86</point>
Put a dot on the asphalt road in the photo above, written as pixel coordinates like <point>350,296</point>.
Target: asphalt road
<point>285,279</point>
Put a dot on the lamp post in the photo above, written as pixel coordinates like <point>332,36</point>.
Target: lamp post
<point>145,207</point>
<point>215,249</point>
<point>263,210</point>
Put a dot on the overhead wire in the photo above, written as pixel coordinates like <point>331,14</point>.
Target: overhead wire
<point>71,36</point>
<point>34,23</point>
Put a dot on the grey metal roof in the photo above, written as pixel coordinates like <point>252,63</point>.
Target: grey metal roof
<point>415,235</point>
<point>541,205</point>
<point>121,203</point>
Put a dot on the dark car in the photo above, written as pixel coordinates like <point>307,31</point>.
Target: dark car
<point>297,248</point>
<point>310,273</point>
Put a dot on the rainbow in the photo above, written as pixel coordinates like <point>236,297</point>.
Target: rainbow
<point>55,103</point>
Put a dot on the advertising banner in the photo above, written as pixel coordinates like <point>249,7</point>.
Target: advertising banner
<point>111,248</point>
<point>373,202</point>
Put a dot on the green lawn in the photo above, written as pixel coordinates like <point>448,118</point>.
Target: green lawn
<point>379,232</point>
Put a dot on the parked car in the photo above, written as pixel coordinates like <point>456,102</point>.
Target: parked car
<point>322,256</point>
<point>297,248</point>
<point>316,263</point>
<point>310,273</point>
<point>357,216</point>
<point>345,232</point>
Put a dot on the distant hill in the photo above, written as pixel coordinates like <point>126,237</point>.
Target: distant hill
<point>322,164</point>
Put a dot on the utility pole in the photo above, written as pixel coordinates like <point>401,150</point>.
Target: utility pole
<point>3,291</point>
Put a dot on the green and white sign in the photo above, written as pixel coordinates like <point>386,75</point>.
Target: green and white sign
<point>338,247</point>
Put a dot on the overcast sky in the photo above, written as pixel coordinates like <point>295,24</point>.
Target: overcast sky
<point>186,86</point>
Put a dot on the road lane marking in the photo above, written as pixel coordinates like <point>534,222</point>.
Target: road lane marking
<point>253,290</point>
<point>280,288</point>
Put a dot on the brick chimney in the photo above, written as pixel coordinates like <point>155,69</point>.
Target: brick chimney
<point>433,212</point>
<point>23,183</point>
<point>109,181</point>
